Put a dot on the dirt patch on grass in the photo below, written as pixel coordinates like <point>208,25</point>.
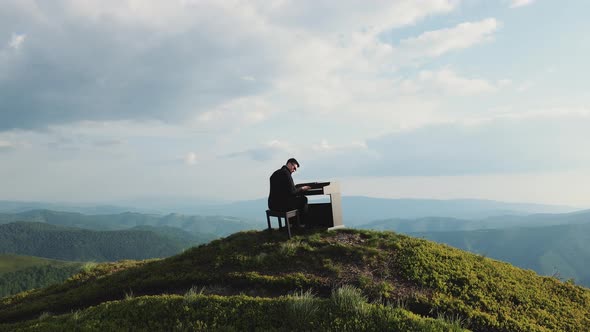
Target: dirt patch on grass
<point>380,277</point>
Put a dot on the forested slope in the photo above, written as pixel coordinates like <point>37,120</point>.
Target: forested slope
<point>74,244</point>
<point>20,273</point>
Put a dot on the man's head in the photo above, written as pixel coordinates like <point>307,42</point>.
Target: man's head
<point>292,165</point>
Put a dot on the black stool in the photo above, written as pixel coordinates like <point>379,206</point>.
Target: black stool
<point>282,214</point>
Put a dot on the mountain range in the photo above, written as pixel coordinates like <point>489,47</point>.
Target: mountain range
<point>208,226</point>
<point>445,224</point>
<point>356,209</point>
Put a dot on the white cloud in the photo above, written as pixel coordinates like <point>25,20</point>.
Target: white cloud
<point>236,113</point>
<point>6,145</point>
<point>580,113</point>
<point>438,42</point>
<point>16,41</point>
<point>273,150</point>
<point>520,3</point>
<point>450,83</point>
<point>525,86</point>
<point>175,60</point>
<point>542,141</point>
<point>190,158</point>
<point>347,16</point>
<point>15,141</point>
<point>324,146</point>
<point>109,142</point>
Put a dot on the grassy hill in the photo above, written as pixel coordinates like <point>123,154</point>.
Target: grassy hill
<point>20,273</point>
<point>561,250</point>
<point>74,244</point>
<point>345,280</point>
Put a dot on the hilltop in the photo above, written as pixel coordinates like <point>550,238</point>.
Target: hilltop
<point>341,280</point>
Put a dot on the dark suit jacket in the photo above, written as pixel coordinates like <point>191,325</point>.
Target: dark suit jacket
<point>282,190</point>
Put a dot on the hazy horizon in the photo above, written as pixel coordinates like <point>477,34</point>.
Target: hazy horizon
<point>170,202</point>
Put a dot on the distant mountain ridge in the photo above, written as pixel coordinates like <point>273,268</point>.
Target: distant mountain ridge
<point>19,206</point>
<point>211,226</point>
<point>356,209</point>
<point>442,224</point>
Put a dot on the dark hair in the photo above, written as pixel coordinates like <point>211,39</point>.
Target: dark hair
<point>292,161</point>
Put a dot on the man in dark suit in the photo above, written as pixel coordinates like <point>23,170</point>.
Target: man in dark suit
<point>284,196</point>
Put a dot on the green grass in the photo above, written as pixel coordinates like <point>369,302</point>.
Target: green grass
<point>233,313</point>
<point>356,273</point>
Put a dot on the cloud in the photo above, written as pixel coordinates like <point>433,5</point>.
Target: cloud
<point>266,152</point>
<point>541,141</point>
<point>346,16</point>
<point>174,61</point>
<point>16,41</point>
<point>15,141</point>
<point>520,3</point>
<point>450,83</point>
<point>6,145</point>
<point>191,158</point>
<point>319,158</point>
<point>103,62</point>
<point>525,86</point>
<point>324,146</point>
<point>108,142</point>
<point>438,42</point>
<point>236,113</point>
<point>279,150</point>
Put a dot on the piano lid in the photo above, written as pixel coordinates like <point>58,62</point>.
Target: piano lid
<point>321,188</point>
<point>313,185</point>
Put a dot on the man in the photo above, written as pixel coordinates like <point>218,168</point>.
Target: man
<point>284,196</point>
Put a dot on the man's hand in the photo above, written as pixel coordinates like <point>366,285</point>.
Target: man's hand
<point>305,188</point>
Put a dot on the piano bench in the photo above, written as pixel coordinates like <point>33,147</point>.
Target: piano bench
<point>282,214</point>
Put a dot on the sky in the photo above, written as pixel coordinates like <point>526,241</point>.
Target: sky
<point>119,100</point>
